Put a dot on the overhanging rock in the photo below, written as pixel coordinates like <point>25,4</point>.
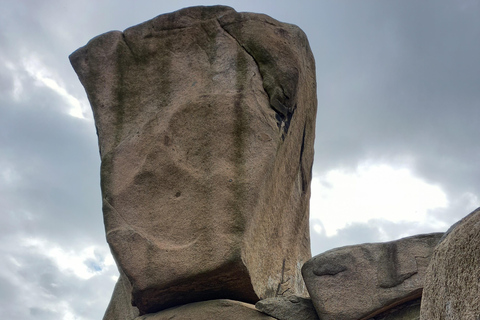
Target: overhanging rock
<point>205,119</point>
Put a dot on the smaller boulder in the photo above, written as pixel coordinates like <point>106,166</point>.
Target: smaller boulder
<point>220,309</point>
<point>361,281</point>
<point>120,306</point>
<point>452,285</point>
<point>288,308</point>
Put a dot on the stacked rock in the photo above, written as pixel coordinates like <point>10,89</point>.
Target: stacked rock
<point>205,120</point>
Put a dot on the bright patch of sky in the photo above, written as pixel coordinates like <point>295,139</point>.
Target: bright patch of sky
<point>62,308</point>
<point>471,201</point>
<point>17,81</point>
<point>371,192</point>
<point>44,77</point>
<point>9,176</point>
<point>84,264</point>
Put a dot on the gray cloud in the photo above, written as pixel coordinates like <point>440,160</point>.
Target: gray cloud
<point>396,80</point>
<point>404,80</point>
<point>378,230</point>
<point>54,160</point>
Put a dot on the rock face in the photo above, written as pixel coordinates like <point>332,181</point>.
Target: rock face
<point>205,119</point>
<point>288,308</point>
<point>120,306</point>
<point>361,281</point>
<point>452,289</point>
<point>221,309</point>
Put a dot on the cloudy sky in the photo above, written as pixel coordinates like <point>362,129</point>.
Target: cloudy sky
<point>396,149</point>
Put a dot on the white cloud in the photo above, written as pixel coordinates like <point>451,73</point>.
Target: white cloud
<point>471,201</point>
<point>44,77</point>
<point>46,278</point>
<point>9,175</point>
<point>372,192</point>
<point>17,81</point>
<point>84,264</point>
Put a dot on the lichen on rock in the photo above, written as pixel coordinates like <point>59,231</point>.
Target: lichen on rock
<point>205,119</point>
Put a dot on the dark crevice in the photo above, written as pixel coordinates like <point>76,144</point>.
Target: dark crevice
<point>283,114</point>
<point>277,95</point>
<point>283,121</point>
<point>282,282</point>
<point>388,269</point>
<point>331,271</point>
<point>267,21</point>
<point>302,169</point>
<point>169,29</point>
<point>244,48</point>
<point>128,45</point>
<point>271,23</point>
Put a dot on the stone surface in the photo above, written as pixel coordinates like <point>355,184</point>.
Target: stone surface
<point>288,308</point>
<point>358,282</point>
<point>407,311</point>
<point>220,309</point>
<point>452,284</point>
<point>205,119</point>
<point>120,306</point>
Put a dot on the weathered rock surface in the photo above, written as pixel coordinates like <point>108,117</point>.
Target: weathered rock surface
<point>452,285</point>
<point>288,308</point>
<point>220,309</point>
<point>407,311</point>
<point>358,282</point>
<point>205,119</point>
<point>120,306</point>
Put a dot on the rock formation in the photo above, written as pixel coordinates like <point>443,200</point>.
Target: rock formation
<point>205,119</point>
<point>221,309</point>
<point>452,285</point>
<point>120,306</point>
<point>361,281</point>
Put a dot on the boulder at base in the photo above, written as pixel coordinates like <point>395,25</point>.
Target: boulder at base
<point>120,306</point>
<point>361,281</point>
<point>452,284</point>
<point>205,120</point>
<point>220,309</point>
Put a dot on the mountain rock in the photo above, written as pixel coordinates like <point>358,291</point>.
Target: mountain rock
<point>205,120</point>
<point>288,308</point>
<point>221,309</point>
<point>120,306</point>
<point>361,281</point>
<point>452,289</point>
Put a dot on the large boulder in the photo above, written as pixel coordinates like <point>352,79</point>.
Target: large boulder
<point>220,309</point>
<point>361,281</point>
<point>205,119</point>
<point>452,284</point>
